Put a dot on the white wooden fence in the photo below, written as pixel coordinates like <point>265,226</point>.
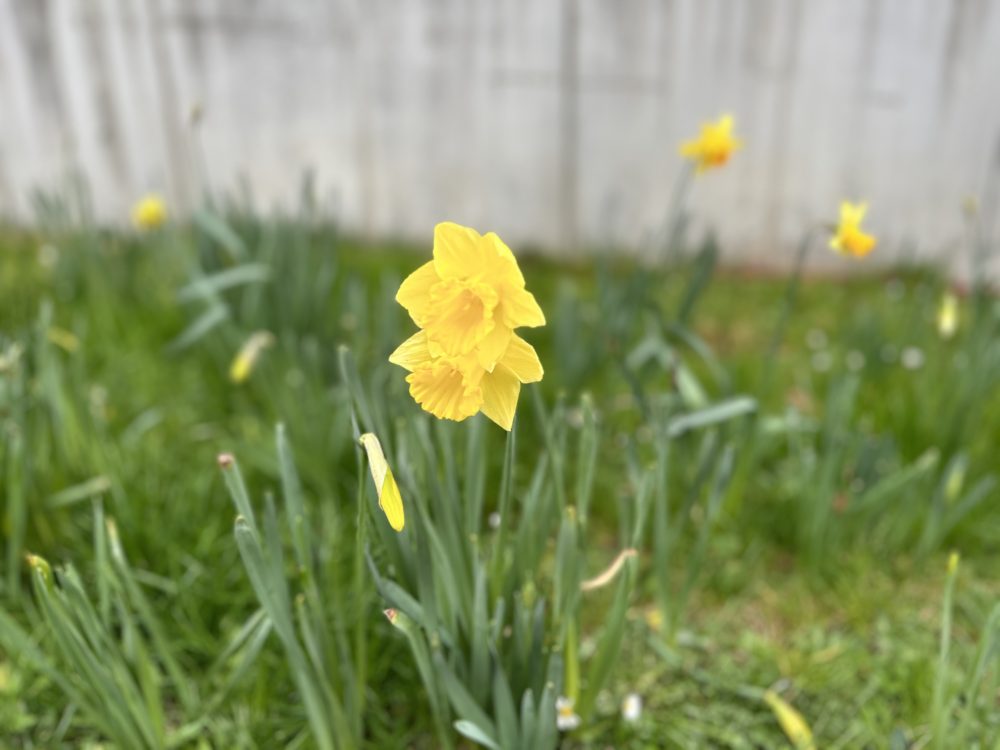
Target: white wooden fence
<point>554,122</point>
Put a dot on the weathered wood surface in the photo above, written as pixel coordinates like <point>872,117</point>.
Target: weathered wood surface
<point>554,122</point>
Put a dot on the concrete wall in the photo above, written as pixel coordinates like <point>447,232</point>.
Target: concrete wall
<point>551,121</point>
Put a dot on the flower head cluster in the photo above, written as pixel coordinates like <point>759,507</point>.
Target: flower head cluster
<point>714,144</point>
<point>848,237</point>
<point>467,302</point>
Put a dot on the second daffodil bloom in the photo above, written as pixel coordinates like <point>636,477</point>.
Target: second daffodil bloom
<point>848,237</point>
<point>714,144</point>
<point>150,212</point>
<point>467,301</point>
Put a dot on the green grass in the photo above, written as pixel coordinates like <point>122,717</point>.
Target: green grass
<point>802,547</point>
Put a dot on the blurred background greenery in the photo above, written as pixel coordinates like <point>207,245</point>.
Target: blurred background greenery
<point>810,455</point>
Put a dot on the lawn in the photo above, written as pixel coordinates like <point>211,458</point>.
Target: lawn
<point>799,481</point>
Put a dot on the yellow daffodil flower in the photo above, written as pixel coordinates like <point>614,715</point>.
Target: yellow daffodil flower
<point>389,499</point>
<point>149,212</point>
<point>714,144</point>
<point>248,355</point>
<point>458,387</point>
<point>791,721</point>
<point>947,317</point>
<point>848,238</point>
<point>470,297</point>
<point>467,301</point>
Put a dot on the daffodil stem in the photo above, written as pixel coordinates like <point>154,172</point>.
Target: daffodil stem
<point>787,306</point>
<point>672,227</point>
<point>503,509</point>
<point>938,708</point>
<point>360,597</point>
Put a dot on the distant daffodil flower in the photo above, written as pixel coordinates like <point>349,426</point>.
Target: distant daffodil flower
<point>149,212</point>
<point>714,145</point>
<point>467,302</point>
<point>246,358</point>
<point>848,237</point>
<point>947,316</point>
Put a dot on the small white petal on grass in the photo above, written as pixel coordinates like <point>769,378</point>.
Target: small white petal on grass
<point>632,707</point>
<point>604,578</point>
<point>566,718</point>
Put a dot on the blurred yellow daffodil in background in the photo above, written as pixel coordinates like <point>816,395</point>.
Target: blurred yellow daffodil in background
<point>149,212</point>
<point>848,237</point>
<point>714,144</point>
<point>947,317</point>
<point>467,302</point>
<point>249,353</point>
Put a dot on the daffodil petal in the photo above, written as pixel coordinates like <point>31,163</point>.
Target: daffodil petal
<point>412,353</point>
<point>461,315</point>
<point>494,346</point>
<point>458,251</point>
<point>522,360</point>
<point>442,390</point>
<point>501,389</point>
<point>415,292</point>
<point>853,213</point>
<point>389,498</point>
<point>391,502</point>
<point>791,721</point>
<point>520,308</point>
<point>505,259</point>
